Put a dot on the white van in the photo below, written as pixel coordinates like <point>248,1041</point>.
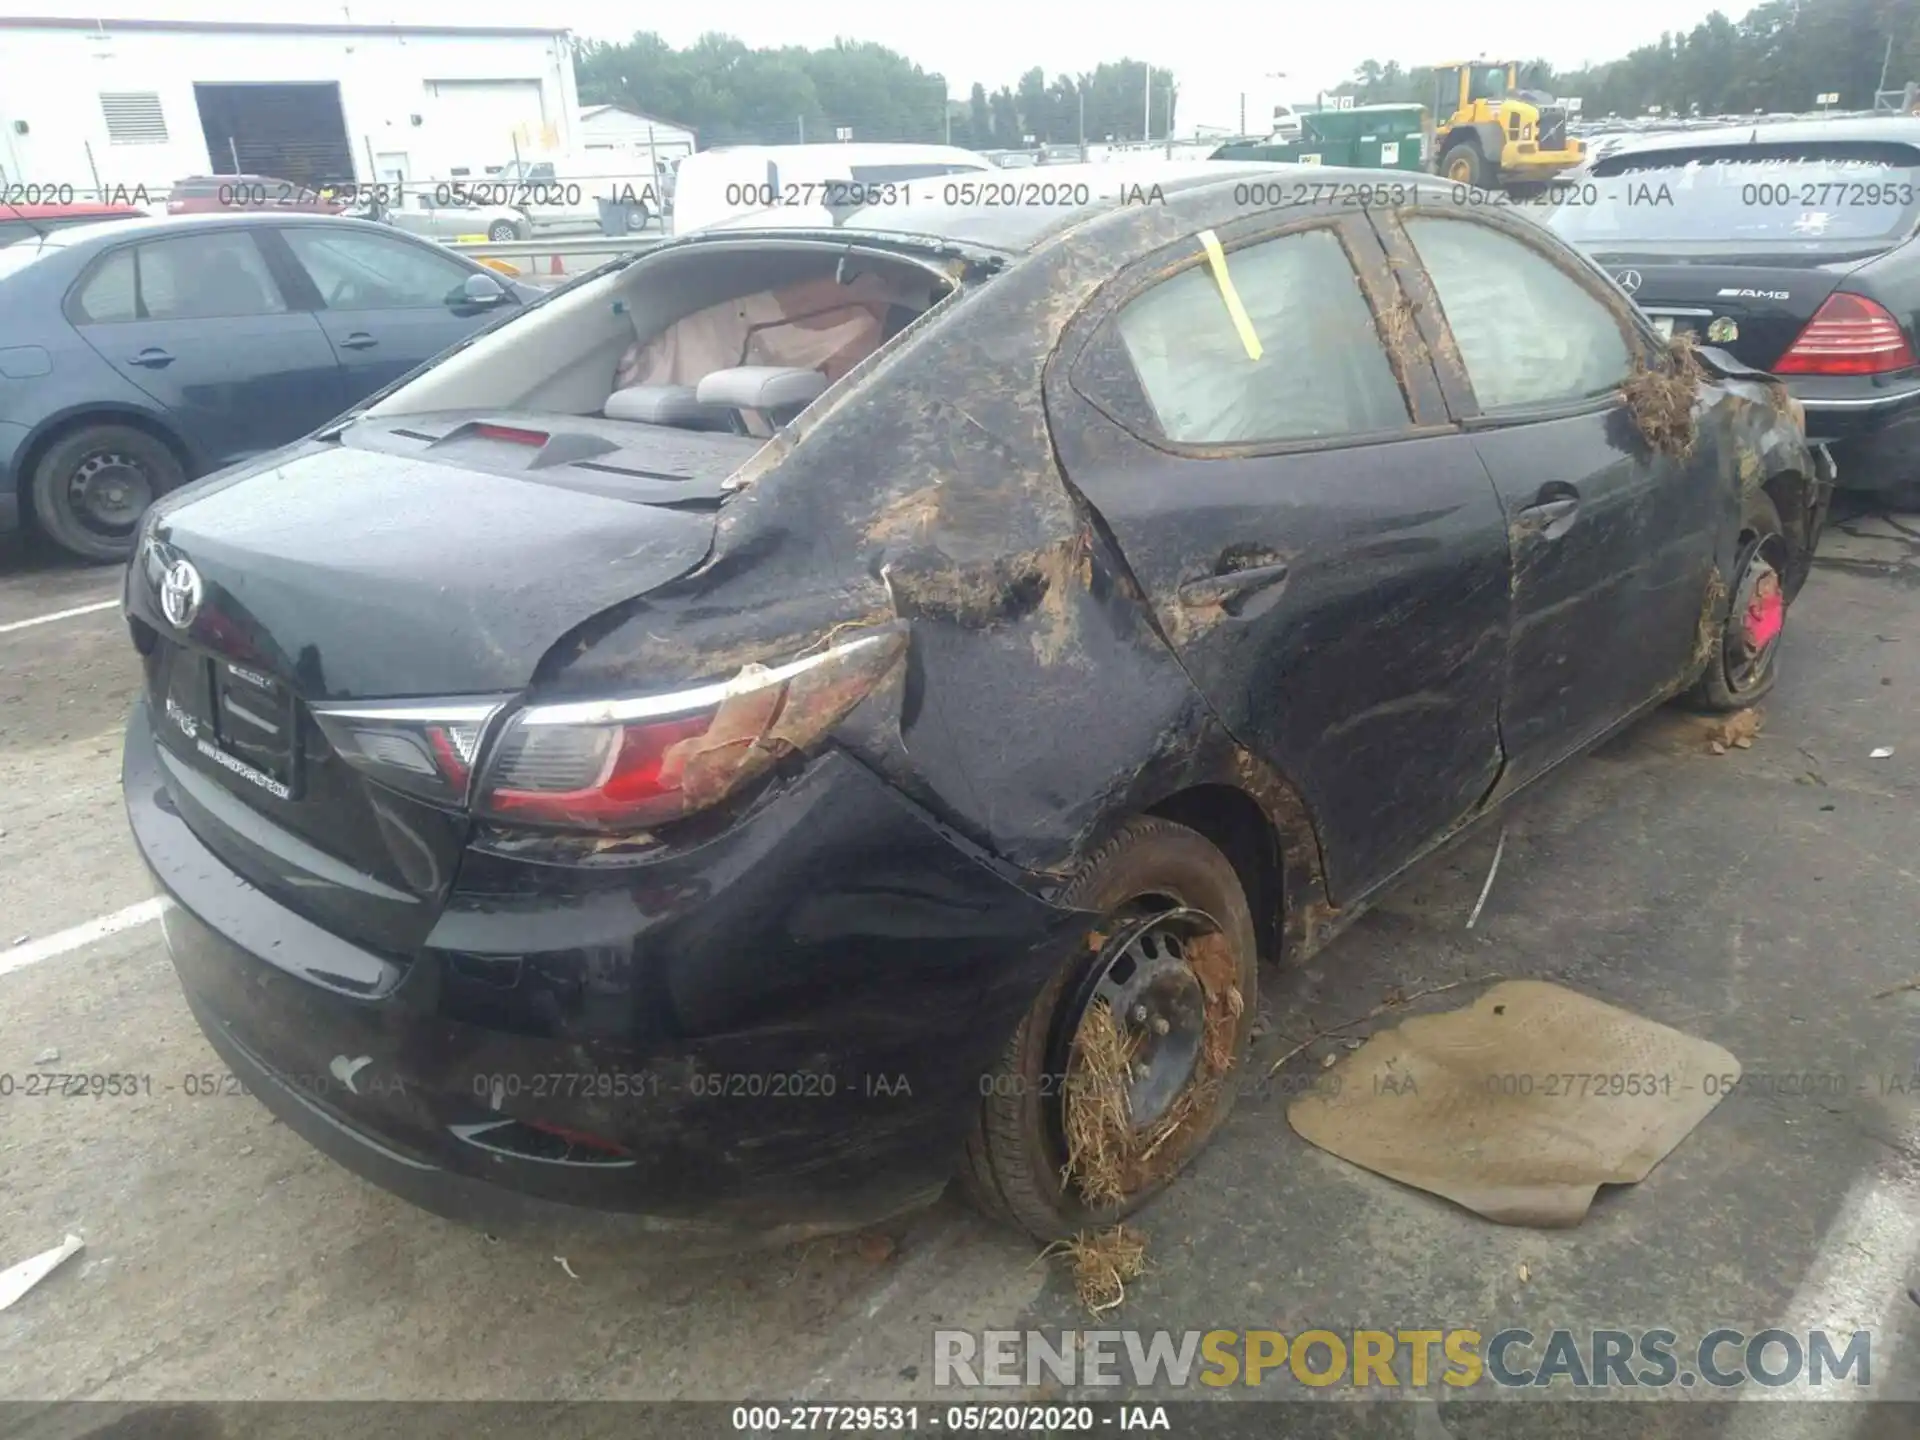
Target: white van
<point>807,185</point>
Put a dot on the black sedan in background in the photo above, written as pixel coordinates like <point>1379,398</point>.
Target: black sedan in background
<point>1791,246</point>
<point>137,354</point>
<point>800,715</point>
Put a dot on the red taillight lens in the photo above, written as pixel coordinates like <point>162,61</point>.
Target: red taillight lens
<point>1849,335</point>
<point>629,764</point>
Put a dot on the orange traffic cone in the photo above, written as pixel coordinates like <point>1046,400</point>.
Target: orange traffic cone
<point>556,270</point>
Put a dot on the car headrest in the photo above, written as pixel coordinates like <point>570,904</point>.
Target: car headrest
<point>659,405</point>
<point>761,387</point>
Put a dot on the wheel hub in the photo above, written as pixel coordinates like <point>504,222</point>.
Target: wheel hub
<point>1159,1006</point>
<point>1759,615</point>
<point>110,491</point>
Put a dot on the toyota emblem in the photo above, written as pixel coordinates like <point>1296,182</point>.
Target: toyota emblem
<point>180,593</point>
<point>1630,281</point>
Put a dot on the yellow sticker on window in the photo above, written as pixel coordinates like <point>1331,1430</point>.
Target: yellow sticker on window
<point>1242,322</point>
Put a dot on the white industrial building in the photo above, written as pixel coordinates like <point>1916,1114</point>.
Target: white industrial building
<point>144,102</point>
<point>614,127</point>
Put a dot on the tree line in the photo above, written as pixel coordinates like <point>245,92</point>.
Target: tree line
<point>1780,56</point>
<point>732,94</point>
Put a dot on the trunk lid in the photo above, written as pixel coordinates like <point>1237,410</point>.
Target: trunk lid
<point>1766,298</point>
<point>425,557</point>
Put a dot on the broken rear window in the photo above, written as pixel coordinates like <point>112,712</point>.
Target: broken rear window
<point>1776,192</point>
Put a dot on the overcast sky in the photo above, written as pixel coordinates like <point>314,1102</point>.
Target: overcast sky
<point>1214,51</point>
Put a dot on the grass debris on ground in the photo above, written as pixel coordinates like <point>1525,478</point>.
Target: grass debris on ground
<point>1660,398</point>
<point>1736,732</point>
<point>1103,1261</point>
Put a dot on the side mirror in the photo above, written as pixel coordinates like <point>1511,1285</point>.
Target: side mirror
<point>479,290</point>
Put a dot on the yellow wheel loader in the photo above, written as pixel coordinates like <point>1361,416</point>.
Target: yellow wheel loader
<point>1491,134</point>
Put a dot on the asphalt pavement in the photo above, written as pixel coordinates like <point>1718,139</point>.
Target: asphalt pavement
<point>1763,898</point>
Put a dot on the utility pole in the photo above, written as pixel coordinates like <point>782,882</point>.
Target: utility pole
<point>1243,112</point>
<point>1146,114</point>
<point>1081,91</point>
<point>1886,61</point>
<point>801,122</point>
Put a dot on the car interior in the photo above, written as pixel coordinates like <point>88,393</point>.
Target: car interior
<point>733,339</point>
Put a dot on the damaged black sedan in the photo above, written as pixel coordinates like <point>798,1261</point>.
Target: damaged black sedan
<point>799,717</point>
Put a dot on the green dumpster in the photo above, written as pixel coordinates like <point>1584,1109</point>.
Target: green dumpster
<point>1367,137</point>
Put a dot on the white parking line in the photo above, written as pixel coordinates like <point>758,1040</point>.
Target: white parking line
<point>1856,1282</point>
<point>12,625</point>
<point>34,951</point>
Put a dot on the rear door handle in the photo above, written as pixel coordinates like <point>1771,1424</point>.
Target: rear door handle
<point>358,340</point>
<point>1235,585</point>
<point>152,358</point>
<point>1552,517</point>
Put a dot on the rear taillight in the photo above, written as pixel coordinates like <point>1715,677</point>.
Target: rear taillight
<point>631,763</point>
<point>423,749</point>
<point>1849,335</point>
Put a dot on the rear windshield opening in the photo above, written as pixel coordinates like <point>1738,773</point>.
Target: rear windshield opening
<point>738,339</point>
<point>1792,194</point>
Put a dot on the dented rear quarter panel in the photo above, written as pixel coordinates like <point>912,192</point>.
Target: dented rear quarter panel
<point>1039,706</point>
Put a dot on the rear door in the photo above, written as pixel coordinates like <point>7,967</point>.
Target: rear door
<point>1612,543</point>
<point>386,303</point>
<point>1319,544</point>
<point>200,323</point>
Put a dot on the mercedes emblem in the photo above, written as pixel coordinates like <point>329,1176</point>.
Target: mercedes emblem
<point>1630,281</point>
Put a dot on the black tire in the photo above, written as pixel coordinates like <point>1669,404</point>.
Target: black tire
<point>638,217</point>
<point>91,487</point>
<point>502,231</point>
<point>1466,156</point>
<point>1013,1171</point>
<point>1730,681</point>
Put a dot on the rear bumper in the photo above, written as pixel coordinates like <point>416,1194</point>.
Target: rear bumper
<point>783,1030</point>
<point>1874,432</point>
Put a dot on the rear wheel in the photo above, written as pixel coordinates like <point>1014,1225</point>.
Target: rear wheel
<point>1123,1068</point>
<point>1463,164</point>
<point>1742,666</point>
<point>91,488</point>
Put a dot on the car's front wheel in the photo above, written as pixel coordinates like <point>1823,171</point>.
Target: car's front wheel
<point>1742,660</point>
<point>1125,1065</point>
<point>501,231</point>
<point>91,487</point>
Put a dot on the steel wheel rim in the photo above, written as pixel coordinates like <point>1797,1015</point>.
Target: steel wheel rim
<point>1755,621</point>
<point>108,492</point>
<point>1143,974</point>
